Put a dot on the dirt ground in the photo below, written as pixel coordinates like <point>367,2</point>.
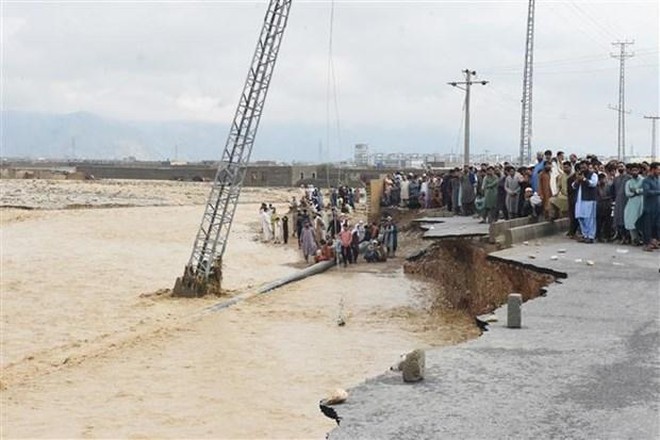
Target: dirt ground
<point>90,350</point>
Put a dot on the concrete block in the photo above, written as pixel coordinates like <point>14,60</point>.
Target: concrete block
<point>500,227</point>
<point>514,312</point>
<point>535,230</point>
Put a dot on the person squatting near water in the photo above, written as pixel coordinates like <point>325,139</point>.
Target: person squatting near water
<point>326,232</point>
<point>379,241</point>
<point>604,202</point>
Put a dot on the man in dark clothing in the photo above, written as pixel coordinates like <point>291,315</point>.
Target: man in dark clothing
<point>299,226</point>
<point>651,216</point>
<point>585,206</point>
<point>603,210</point>
<point>335,225</point>
<point>285,229</point>
<point>620,199</point>
<point>572,198</point>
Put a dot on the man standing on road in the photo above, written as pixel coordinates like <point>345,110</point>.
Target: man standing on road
<point>635,205</point>
<point>585,206</point>
<point>490,196</point>
<point>651,188</point>
<point>620,199</point>
<point>545,189</point>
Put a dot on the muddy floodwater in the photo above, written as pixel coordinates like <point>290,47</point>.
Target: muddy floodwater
<point>91,349</point>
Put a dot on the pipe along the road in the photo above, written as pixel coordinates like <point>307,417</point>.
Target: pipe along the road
<point>299,275</point>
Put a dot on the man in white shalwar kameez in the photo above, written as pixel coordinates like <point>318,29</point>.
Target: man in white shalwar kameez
<point>266,228</point>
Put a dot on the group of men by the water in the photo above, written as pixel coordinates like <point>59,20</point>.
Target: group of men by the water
<point>603,201</point>
<point>326,231</point>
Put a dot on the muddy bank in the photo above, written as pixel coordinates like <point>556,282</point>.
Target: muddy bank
<point>467,279</point>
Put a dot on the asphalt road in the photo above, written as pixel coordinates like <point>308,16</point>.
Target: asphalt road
<point>585,364</point>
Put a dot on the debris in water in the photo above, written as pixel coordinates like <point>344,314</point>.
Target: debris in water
<point>491,317</point>
<point>526,243</point>
<point>561,251</point>
<point>329,412</point>
<point>622,251</point>
<point>532,257</point>
<point>483,325</point>
<point>554,257</point>
<point>578,260</point>
<point>341,321</point>
<point>339,395</point>
<point>590,263</point>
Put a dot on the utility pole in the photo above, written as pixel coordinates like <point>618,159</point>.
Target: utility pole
<point>621,108</point>
<point>467,83</point>
<point>654,146</point>
<point>526,114</point>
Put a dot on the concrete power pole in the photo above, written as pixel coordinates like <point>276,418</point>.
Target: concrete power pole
<point>526,118</point>
<point>621,108</point>
<point>467,83</point>
<point>654,145</point>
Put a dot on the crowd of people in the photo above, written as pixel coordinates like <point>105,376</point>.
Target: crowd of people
<point>604,201</point>
<point>326,231</point>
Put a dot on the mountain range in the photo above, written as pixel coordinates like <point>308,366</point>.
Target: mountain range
<point>84,135</point>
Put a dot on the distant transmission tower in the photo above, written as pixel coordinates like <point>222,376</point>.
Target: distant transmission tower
<point>526,117</point>
<point>621,108</point>
<point>654,145</point>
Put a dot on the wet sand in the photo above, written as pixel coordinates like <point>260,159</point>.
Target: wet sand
<point>86,354</point>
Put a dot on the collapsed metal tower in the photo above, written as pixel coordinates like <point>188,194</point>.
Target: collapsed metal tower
<point>203,273</point>
<point>526,118</point>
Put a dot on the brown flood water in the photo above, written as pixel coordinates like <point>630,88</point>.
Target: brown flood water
<point>84,356</point>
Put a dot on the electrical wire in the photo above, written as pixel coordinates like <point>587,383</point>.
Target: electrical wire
<point>566,16</point>
<point>608,30</point>
<point>583,59</point>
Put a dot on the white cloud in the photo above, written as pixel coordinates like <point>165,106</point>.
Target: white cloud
<point>168,61</point>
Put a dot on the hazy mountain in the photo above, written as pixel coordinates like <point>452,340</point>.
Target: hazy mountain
<point>88,136</point>
<point>85,135</point>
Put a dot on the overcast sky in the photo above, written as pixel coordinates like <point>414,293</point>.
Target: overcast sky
<point>188,61</point>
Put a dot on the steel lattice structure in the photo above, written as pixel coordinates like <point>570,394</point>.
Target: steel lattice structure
<point>621,108</point>
<point>205,261</point>
<point>526,117</point>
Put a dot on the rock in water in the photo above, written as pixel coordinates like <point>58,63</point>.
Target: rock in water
<point>338,396</point>
<point>413,366</point>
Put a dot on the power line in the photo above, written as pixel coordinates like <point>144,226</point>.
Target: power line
<point>606,27</point>
<point>604,31</point>
<point>584,59</point>
<point>581,71</point>
<point>580,26</point>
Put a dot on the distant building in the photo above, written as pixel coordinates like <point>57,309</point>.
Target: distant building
<point>361,155</point>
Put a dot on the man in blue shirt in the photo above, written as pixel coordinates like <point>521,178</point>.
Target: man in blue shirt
<point>651,191</point>
<point>541,158</point>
